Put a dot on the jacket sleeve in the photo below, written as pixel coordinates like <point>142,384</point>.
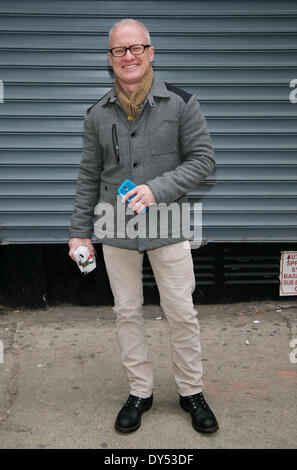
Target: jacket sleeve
<point>88,183</point>
<point>197,153</point>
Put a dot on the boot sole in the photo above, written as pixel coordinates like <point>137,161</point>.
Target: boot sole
<point>127,430</point>
<point>203,430</point>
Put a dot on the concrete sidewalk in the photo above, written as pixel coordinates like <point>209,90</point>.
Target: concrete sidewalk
<point>62,383</point>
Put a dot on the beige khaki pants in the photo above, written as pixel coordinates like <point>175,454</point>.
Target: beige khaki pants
<point>173,270</point>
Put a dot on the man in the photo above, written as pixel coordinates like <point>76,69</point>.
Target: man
<point>154,134</point>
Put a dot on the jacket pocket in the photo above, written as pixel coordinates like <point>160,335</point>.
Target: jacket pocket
<point>164,137</point>
<point>108,192</point>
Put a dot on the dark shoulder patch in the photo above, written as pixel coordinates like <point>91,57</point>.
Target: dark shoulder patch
<point>179,91</point>
<point>89,109</point>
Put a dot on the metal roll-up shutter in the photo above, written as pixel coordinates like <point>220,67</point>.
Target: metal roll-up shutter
<point>238,57</point>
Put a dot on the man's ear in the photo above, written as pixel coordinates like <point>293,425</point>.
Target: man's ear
<point>109,58</point>
<point>152,52</point>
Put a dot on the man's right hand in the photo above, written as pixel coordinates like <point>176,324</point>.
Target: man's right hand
<point>74,243</point>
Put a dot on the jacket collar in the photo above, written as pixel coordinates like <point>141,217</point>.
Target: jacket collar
<point>158,89</point>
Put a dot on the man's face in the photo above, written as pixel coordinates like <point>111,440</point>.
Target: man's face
<point>129,69</point>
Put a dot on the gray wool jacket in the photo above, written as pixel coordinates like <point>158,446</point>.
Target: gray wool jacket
<point>167,147</point>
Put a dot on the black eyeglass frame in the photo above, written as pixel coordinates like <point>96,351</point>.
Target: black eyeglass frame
<point>126,48</point>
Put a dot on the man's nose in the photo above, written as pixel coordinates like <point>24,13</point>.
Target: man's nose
<point>129,54</point>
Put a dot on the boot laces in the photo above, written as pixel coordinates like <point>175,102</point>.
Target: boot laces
<point>197,401</point>
<point>134,401</point>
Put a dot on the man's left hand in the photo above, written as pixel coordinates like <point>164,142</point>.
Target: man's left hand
<point>143,198</point>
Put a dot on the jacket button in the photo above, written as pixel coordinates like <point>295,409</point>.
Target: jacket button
<point>135,165</point>
<point>133,134</point>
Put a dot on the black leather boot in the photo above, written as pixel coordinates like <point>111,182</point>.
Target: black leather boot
<point>203,419</point>
<point>129,417</point>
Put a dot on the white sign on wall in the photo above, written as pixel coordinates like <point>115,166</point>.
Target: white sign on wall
<point>288,273</point>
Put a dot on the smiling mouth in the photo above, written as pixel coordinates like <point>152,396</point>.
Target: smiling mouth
<point>129,66</point>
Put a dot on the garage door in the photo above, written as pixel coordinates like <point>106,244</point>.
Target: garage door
<point>238,57</point>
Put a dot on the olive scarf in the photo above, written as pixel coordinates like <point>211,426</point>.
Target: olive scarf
<point>132,103</point>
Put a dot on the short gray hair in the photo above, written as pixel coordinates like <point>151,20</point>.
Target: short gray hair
<point>130,21</point>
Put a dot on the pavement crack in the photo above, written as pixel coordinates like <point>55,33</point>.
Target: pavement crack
<point>291,320</point>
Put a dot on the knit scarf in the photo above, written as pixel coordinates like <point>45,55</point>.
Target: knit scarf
<point>132,103</point>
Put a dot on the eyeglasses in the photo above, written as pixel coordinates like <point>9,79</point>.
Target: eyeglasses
<point>135,49</point>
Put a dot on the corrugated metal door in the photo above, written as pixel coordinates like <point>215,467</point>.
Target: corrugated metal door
<point>238,57</point>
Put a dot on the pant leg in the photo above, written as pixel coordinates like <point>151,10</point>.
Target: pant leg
<point>173,270</point>
<point>124,269</point>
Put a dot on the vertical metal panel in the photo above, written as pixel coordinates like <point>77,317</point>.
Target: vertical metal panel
<point>238,57</point>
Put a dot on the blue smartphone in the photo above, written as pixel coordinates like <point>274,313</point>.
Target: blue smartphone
<point>126,186</point>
